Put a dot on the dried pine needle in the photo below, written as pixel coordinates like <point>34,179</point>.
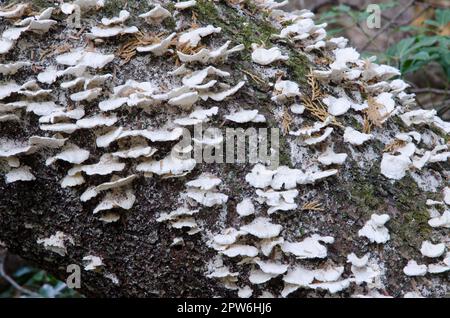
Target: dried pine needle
<point>313,206</point>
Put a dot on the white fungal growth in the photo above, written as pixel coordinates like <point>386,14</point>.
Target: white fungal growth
<point>431,250</point>
<point>16,11</point>
<point>123,16</point>
<point>169,166</point>
<point>70,153</point>
<point>22,173</point>
<point>355,137</point>
<point>220,96</point>
<point>441,220</point>
<point>92,262</point>
<point>12,68</point>
<point>362,271</point>
<point>285,90</point>
<point>260,176</point>
<point>240,250</point>
<point>156,15</point>
<point>185,101</point>
<point>182,5</point>
<point>253,244</point>
<point>206,56</point>
<point>116,199</point>
<point>272,268</point>
<point>257,277</point>
<point>97,32</point>
<point>447,195</point>
<point>245,207</point>
<point>343,57</point>
<point>394,166</point>
<point>105,166</point>
<point>245,292</point>
<point>329,157</point>
<point>193,37</point>
<point>262,228</point>
<point>310,247</point>
<point>375,230</point>
<point>278,200</point>
<point>299,276</point>
<point>337,106</point>
<point>264,56</point>
<point>160,48</point>
<point>414,269</point>
<point>56,243</point>
<point>227,237</point>
<point>72,180</point>
<point>319,139</point>
<point>245,116</point>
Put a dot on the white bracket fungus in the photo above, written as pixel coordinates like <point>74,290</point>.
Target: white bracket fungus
<point>169,166</point>
<point>362,271</point>
<point>160,48</point>
<point>98,32</point>
<point>431,250</point>
<point>262,228</point>
<point>375,230</point>
<point>394,166</point>
<point>240,250</point>
<point>264,56</point>
<point>123,16</point>
<point>92,262</point>
<point>246,116</point>
<point>70,153</point>
<point>315,140</point>
<point>278,200</point>
<point>447,195</point>
<point>227,237</point>
<point>182,5</point>
<point>116,199</point>
<point>413,269</point>
<point>245,207</point>
<point>441,220</point>
<point>56,243</point>
<point>285,90</point>
<point>355,137</point>
<point>329,157</point>
<point>206,56</point>
<point>12,68</point>
<point>156,15</point>
<point>193,37</point>
<point>310,247</point>
<point>17,11</point>
<point>337,106</point>
<point>22,173</point>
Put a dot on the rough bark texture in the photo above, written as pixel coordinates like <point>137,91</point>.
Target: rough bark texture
<point>137,248</point>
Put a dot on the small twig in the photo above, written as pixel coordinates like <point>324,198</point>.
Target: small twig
<point>430,90</point>
<point>387,25</point>
<point>14,284</point>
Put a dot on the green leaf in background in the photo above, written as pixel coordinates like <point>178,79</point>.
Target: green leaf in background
<point>442,17</point>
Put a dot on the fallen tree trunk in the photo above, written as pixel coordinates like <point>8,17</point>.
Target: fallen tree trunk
<point>142,257</point>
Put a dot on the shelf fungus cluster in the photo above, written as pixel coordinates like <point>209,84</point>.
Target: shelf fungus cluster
<point>435,255</point>
<point>106,112</point>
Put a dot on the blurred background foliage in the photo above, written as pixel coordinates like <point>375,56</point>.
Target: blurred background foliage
<point>414,36</point>
<point>20,280</point>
